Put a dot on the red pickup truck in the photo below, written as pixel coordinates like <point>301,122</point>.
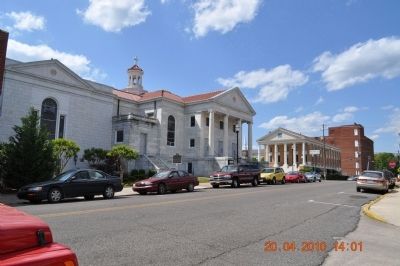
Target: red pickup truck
<point>27,240</point>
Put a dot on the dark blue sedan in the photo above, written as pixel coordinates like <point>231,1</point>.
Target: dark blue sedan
<point>72,183</point>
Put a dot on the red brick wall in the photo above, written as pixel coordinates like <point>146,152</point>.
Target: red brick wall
<point>3,51</point>
<point>344,138</point>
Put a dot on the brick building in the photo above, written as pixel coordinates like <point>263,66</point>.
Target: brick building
<point>357,150</point>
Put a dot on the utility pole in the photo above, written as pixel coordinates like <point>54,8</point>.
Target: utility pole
<point>323,152</point>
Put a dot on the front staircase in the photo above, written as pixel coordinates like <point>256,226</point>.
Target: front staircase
<point>155,162</point>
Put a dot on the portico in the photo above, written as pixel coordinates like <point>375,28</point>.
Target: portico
<point>290,150</point>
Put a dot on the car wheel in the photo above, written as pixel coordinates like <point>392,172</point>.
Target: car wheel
<point>54,195</point>
<point>215,185</point>
<point>283,181</point>
<point>235,183</point>
<point>143,192</point>
<point>161,189</point>
<point>190,188</point>
<point>89,197</point>
<point>108,192</point>
<point>273,181</point>
<point>255,182</point>
<point>319,180</point>
<point>358,189</point>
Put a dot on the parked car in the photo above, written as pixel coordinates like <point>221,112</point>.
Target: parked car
<point>313,176</point>
<point>235,175</point>
<point>172,180</point>
<point>295,177</point>
<point>375,180</point>
<point>72,183</point>
<point>27,240</point>
<point>352,178</point>
<point>273,175</point>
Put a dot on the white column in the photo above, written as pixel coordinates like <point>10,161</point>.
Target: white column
<point>211,134</point>
<point>240,138</point>
<point>258,154</point>
<point>285,165</point>
<point>202,134</point>
<point>250,140</point>
<point>294,155</point>
<point>304,153</point>
<point>226,136</point>
<point>276,155</point>
<point>267,153</point>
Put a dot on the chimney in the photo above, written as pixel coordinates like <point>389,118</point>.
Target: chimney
<point>3,51</point>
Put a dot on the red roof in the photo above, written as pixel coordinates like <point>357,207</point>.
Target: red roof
<point>165,94</point>
<point>135,67</point>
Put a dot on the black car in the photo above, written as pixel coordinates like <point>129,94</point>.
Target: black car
<point>72,183</point>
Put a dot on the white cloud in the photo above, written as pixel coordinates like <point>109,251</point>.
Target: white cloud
<point>114,15</point>
<point>374,137</point>
<point>307,124</point>
<point>387,107</point>
<point>346,115</point>
<point>319,101</point>
<point>299,109</point>
<point>351,109</point>
<point>222,15</point>
<point>27,21</point>
<point>274,85</point>
<point>360,63</point>
<point>342,117</point>
<point>393,125</point>
<point>78,63</point>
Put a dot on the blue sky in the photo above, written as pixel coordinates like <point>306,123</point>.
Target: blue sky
<point>300,63</point>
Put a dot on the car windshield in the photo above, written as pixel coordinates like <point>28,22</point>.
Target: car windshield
<point>164,174</point>
<point>292,173</point>
<point>372,174</point>
<point>268,170</point>
<point>229,168</point>
<point>64,176</point>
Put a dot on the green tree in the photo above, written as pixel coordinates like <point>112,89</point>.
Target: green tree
<point>381,160</point>
<point>122,154</point>
<point>29,153</point>
<point>3,161</point>
<point>64,150</point>
<point>95,156</point>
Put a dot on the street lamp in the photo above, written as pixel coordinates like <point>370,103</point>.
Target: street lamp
<point>237,129</point>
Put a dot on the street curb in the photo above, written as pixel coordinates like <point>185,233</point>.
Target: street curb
<point>367,210</point>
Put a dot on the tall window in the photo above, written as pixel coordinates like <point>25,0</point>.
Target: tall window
<point>171,131</point>
<point>61,127</point>
<point>192,121</point>
<point>48,117</point>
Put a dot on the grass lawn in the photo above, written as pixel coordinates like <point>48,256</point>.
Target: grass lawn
<point>203,179</point>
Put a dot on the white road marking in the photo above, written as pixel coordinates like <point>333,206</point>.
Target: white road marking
<point>335,204</point>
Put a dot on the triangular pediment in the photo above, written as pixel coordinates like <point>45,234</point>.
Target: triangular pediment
<point>234,99</point>
<point>51,70</point>
<point>281,135</point>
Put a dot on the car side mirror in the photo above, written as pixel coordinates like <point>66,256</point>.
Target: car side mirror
<point>72,178</point>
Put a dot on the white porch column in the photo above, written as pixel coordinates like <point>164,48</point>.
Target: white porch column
<point>250,140</point>
<point>294,155</point>
<point>240,138</point>
<point>267,153</point>
<point>258,154</point>
<point>202,135</point>
<point>276,155</point>
<point>226,136</point>
<point>285,165</point>
<point>211,134</point>
<point>304,153</point>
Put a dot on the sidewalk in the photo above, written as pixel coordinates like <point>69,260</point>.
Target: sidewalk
<point>379,232</point>
<point>12,200</point>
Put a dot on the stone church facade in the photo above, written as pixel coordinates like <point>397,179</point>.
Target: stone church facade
<point>159,124</point>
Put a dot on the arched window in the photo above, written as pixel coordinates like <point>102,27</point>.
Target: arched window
<point>48,117</point>
<point>171,131</point>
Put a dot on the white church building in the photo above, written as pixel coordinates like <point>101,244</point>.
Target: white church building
<point>158,124</point>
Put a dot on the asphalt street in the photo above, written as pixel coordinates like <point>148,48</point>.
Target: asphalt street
<point>222,226</point>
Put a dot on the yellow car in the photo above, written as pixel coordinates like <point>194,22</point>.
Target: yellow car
<point>273,175</point>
